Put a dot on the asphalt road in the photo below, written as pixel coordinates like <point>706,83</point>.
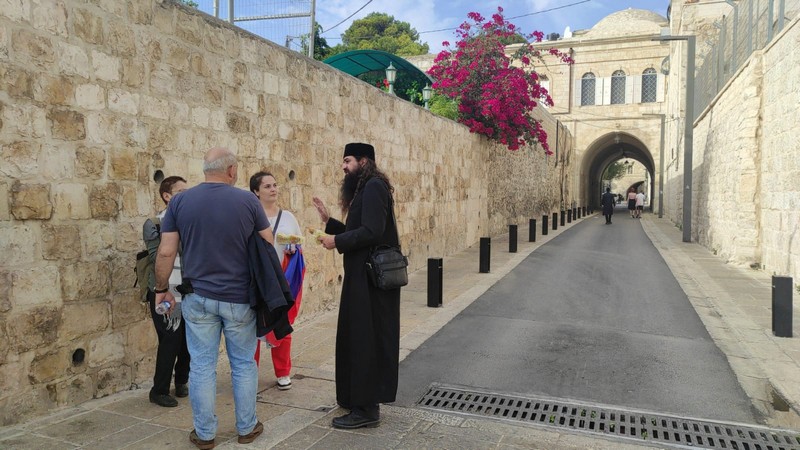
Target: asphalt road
<point>594,315</point>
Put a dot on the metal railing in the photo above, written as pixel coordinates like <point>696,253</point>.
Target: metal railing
<point>749,26</point>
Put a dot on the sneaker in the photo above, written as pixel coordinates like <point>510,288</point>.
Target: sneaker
<point>284,383</point>
<point>251,436</point>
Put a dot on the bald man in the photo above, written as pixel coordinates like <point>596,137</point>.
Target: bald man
<point>213,222</point>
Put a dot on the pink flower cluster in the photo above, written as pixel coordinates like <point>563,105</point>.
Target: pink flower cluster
<point>496,92</point>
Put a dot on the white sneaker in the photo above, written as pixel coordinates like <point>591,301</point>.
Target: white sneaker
<point>284,383</point>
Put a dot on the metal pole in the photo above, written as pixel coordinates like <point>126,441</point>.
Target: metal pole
<point>782,306</point>
<point>721,56</point>
<point>770,15</point>
<point>781,14</point>
<point>230,11</point>
<point>484,255</point>
<point>434,282</point>
<point>216,9</point>
<point>750,28</point>
<point>688,137</point>
<point>313,30</point>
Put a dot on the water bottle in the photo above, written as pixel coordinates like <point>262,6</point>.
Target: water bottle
<point>162,308</point>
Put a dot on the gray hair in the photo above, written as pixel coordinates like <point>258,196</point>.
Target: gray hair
<point>220,164</point>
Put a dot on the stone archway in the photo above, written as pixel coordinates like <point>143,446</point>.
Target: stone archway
<point>603,152</point>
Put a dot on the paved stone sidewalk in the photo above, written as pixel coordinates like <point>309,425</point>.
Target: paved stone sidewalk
<point>300,418</point>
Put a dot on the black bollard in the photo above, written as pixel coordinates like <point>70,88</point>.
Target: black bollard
<point>575,213</point>
<point>532,230</point>
<point>782,306</point>
<point>569,216</point>
<point>512,239</point>
<point>563,217</point>
<point>486,244</point>
<point>435,282</point>
<point>555,221</point>
<point>579,212</point>
<point>584,211</point>
<point>544,225</point>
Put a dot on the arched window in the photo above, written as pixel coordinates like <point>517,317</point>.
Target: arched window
<point>618,87</point>
<point>649,85</point>
<point>587,89</point>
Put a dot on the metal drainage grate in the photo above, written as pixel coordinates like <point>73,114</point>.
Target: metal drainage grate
<point>609,421</point>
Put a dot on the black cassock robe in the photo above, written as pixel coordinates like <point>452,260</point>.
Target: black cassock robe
<point>368,331</point>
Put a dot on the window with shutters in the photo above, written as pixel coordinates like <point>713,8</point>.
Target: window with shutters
<point>618,87</point>
<point>587,89</point>
<point>649,85</point>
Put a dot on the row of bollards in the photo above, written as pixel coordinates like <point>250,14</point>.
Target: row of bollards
<point>435,265</point>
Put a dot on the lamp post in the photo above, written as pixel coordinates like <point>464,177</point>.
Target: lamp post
<point>688,132</point>
<point>426,94</point>
<point>391,75</point>
<point>660,167</point>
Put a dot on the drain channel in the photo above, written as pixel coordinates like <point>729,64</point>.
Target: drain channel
<point>610,421</point>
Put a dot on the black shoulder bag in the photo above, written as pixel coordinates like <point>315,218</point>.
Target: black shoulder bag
<point>387,268</point>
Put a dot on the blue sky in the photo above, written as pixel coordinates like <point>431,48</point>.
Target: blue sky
<point>431,15</point>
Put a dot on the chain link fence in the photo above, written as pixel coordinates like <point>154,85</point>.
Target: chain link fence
<point>749,26</point>
<point>284,22</point>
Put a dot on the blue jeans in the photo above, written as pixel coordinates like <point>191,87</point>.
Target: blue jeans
<point>205,320</point>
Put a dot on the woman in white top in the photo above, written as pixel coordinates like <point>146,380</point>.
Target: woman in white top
<point>265,187</point>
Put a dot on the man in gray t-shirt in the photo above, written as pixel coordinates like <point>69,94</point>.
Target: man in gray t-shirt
<point>213,222</point>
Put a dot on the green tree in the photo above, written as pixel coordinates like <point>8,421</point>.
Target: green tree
<point>443,106</point>
<point>321,48</point>
<point>191,3</point>
<point>380,31</point>
<point>615,171</point>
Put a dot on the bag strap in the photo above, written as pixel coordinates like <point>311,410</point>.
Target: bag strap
<point>394,220</point>
<point>277,221</point>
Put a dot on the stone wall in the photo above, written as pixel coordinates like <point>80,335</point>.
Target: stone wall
<point>96,96</point>
<point>746,160</point>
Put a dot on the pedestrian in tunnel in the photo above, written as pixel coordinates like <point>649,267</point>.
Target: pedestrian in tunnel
<point>368,329</point>
<point>639,204</point>
<point>632,202</point>
<point>607,201</point>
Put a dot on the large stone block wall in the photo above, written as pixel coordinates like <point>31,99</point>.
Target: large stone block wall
<point>780,156</point>
<point>96,96</point>
<point>746,162</point>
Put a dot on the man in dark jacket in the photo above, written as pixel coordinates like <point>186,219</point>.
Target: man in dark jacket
<point>368,330</point>
<point>608,200</point>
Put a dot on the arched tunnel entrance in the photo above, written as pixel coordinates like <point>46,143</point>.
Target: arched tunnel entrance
<point>605,151</point>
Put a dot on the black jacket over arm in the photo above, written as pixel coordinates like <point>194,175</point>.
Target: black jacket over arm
<point>269,292</point>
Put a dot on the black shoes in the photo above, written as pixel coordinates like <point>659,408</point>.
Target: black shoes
<point>354,420</point>
<point>181,390</point>
<point>164,400</point>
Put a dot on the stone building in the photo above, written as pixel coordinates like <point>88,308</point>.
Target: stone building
<point>610,99</point>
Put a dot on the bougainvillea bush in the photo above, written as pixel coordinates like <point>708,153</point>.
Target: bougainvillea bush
<point>496,92</point>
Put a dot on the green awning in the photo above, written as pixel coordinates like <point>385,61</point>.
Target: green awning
<point>357,62</point>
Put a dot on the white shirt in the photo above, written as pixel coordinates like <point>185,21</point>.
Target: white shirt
<point>639,199</point>
<point>287,225</point>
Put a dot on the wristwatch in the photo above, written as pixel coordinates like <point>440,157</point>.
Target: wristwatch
<point>160,291</point>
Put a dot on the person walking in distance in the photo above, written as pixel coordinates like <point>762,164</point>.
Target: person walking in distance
<point>607,201</point>
<point>368,329</point>
<point>632,202</point>
<point>284,223</point>
<point>172,353</point>
<point>213,222</point>
<point>639,204</point>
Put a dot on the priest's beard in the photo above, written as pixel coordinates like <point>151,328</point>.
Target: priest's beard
<point>348,189</point>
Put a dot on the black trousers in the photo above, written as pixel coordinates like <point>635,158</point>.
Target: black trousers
<point>173,354</point>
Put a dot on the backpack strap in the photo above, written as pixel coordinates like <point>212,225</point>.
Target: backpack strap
<point>277,221</point>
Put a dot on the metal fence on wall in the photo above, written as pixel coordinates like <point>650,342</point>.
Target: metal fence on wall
<point>285,22</point>
<point>749,26</point>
